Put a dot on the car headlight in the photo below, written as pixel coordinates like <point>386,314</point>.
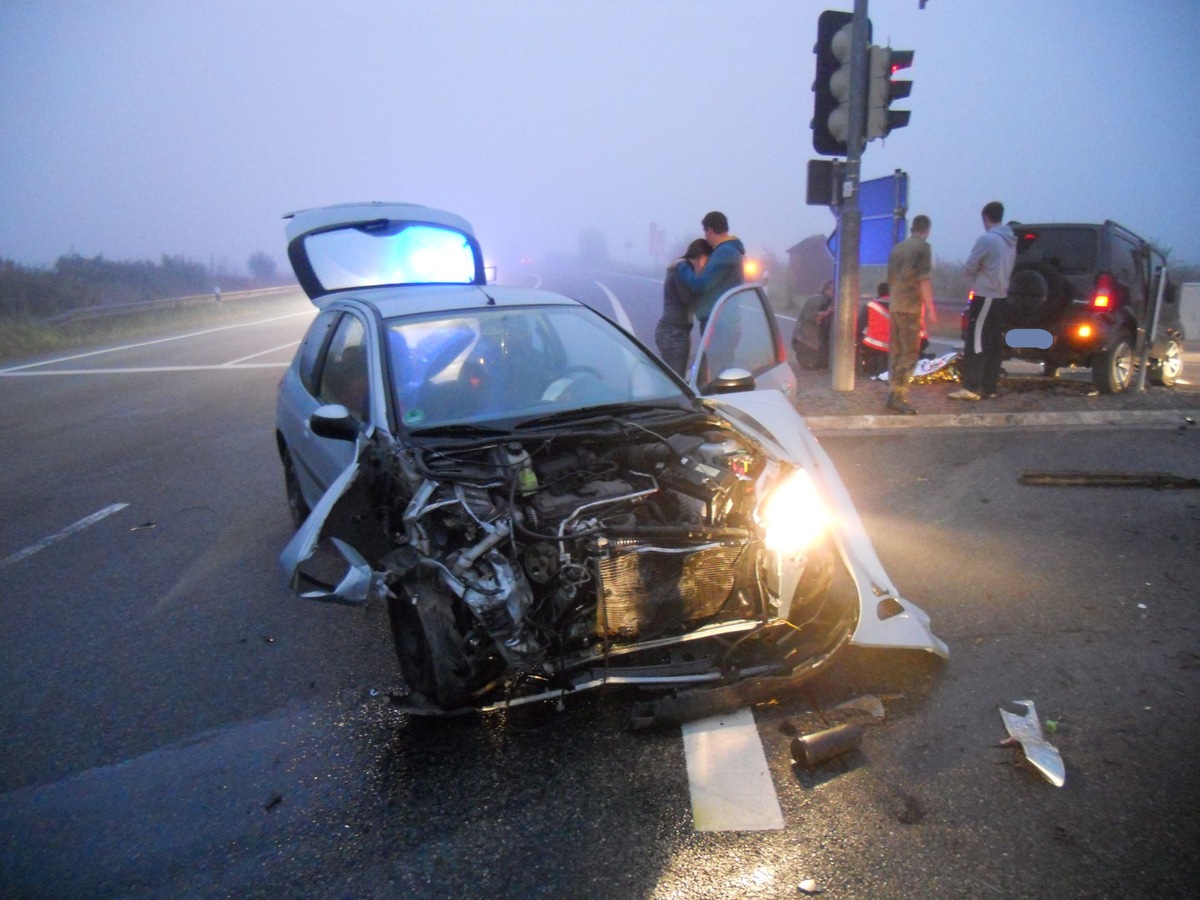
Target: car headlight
<point>794,516</point>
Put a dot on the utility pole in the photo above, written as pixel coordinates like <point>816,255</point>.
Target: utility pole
<point>842,355</point>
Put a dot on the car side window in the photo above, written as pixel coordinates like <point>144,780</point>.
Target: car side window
<point>1126,271</point>
<point>344,375</point>
<point>310,349</point>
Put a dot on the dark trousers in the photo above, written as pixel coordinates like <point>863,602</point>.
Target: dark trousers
<point>983,344</point>
<point>674,342</point>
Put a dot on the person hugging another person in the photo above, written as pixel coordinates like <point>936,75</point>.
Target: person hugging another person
<point>673,334</point>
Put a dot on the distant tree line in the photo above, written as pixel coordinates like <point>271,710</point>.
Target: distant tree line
<point>79,282</point>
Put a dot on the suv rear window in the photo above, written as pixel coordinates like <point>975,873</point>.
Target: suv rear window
<point>1067,249</point>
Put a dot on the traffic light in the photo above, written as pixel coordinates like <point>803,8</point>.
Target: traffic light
<point>881,118</point>
<point>831,89</point>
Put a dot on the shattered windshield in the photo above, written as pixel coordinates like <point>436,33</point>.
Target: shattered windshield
<point>493,364</point>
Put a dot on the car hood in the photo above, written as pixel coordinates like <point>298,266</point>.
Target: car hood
<point>365,245</point>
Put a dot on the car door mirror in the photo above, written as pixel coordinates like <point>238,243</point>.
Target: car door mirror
<point>335,422</point>
<point>731,381</point>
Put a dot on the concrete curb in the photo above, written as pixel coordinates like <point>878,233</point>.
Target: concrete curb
<point>1107,418</point>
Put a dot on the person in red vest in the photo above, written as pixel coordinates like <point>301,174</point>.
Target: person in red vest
<point>874,333</point>
<point>874,328</point>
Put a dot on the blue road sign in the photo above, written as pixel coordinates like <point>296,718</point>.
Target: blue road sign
<point>884,205</point>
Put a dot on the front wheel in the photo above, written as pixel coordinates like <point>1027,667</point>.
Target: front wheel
<point>429,643</point>
<point>297,505</point>
<point>1112,369</point>
<point>1166,369</point>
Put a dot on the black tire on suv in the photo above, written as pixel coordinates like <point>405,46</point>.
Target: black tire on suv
<point>1112,368</point>
<point>1036,294</point>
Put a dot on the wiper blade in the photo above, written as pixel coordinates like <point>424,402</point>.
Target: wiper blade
<point>461,429</point>
<point>610,412</point>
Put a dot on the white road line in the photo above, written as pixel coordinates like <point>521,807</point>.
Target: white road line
<point>728,778</point>
<point>66,532</point>
<point>223,367</point>
<point>178,337</point>
<point>618,309</point>
<point>263,353</point>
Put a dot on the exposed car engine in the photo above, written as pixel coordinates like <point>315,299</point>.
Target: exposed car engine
<point>579,543</point>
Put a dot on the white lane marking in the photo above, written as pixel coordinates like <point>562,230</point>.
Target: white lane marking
<point>263,353</point>
<point>178,337</point>
<point>223,367</point>
<point>728,778</point>
<point>66,532</point>
<point>618,309</point>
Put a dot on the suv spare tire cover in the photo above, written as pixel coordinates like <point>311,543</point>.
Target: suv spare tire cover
<point>1036,294</point>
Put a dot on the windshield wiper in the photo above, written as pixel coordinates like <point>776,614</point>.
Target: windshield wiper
<point>610,412</point>
<point>461,429</point>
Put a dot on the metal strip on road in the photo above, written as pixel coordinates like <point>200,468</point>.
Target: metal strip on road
<point>728,778</point>
<point>66,532</point>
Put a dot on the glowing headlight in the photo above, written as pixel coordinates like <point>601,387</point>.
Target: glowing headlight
<point>794,516</point>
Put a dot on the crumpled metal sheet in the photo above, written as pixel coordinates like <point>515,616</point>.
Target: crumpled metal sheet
<point>1027,731</point>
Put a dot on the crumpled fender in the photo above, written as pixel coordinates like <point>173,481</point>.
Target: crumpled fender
<point>355,586</point>
<point>886,619</point>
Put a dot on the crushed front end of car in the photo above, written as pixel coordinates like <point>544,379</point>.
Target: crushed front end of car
<point>668,549</point>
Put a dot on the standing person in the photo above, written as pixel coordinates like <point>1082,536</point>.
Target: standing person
<point>910,265</point>
<point>989,267</point>
<point>810,337</point>
<point>673,334</point>
<point>723,270</point>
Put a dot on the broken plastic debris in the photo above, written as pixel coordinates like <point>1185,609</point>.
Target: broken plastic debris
<point>867,703</point>
<point>1027,731</point>
<point>808,886</point>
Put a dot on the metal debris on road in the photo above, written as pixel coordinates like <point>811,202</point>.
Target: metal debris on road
<point>1027,731</point>
<point>1155,480</point>
<point>822,746</point>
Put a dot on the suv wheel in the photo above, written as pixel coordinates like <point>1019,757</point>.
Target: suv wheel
<point>1036,293</point>
<point>1165,370</point>
<point>1112,369</point>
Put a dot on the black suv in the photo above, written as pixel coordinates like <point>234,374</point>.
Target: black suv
<point>1085,295</point>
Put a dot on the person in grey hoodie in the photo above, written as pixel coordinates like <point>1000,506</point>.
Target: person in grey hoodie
<point>989,267</point>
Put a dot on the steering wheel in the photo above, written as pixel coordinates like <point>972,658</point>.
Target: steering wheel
<point>570,377</point>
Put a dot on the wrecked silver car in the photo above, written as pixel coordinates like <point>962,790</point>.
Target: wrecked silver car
<point>542,504</point>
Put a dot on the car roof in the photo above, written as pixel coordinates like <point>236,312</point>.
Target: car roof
<point>405,300</point>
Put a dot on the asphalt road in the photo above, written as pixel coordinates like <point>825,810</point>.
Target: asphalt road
<point>175,723</point>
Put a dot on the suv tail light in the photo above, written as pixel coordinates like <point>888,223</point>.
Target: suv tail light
<point>1103,296</point>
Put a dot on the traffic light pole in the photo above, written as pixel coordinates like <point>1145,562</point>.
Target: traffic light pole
<point>842,350</point>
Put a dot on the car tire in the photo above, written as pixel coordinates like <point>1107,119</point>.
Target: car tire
<point>297,505</point>
<point>1166,369</point>
<point>429,644</point>
<point>1112,368</point>
<point>1036,294</point>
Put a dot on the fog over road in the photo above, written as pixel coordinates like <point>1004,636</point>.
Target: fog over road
<point>177,723</point>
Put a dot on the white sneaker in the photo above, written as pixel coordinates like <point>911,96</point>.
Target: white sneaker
<point>963,394</point>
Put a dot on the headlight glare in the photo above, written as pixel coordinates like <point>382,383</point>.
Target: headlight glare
<point>794,516</point>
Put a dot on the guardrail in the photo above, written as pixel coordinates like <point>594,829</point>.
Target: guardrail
<point>121,309</point>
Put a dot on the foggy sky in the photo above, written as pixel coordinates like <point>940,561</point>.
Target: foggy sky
<point>134,129</point>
